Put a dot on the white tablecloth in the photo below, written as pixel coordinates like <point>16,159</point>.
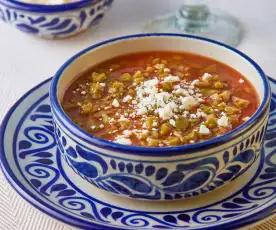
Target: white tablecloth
<point>26,61</point>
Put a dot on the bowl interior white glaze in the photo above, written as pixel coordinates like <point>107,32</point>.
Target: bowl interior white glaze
<point>159,43</point>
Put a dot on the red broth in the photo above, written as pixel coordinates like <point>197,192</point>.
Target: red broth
<point>159,99</point>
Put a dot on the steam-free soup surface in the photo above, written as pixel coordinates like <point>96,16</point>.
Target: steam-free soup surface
<point>159,99</point>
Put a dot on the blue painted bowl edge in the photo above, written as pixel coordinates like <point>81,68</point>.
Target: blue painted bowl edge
<point>49,9</point>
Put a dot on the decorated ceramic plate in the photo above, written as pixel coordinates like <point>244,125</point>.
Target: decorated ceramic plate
<point>35,168</point>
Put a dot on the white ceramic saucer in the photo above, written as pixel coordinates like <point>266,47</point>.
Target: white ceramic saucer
<point>34,167</point>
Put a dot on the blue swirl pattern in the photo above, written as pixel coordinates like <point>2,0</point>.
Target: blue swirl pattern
<point>38,156</point>
<point>154,181</point>
<point>54,24</point>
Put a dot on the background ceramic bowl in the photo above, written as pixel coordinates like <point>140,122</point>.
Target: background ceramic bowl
<point>54,21</point>
<point>160,173</point>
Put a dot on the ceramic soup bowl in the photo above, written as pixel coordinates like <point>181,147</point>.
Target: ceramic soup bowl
<point>160,173</point>
<point>54,21</point>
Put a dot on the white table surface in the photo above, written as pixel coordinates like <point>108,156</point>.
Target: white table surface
<point>26,61</point>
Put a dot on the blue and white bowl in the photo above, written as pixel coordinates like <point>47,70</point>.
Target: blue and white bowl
<point>160,173</point>
<point>54,21</point>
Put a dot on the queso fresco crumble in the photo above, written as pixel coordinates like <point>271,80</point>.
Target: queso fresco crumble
<point>159,99</point>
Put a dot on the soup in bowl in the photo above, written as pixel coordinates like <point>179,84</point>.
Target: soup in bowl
<point>160,116</point>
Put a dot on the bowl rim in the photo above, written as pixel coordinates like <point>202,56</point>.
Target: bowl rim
<point>153,151</point>
<point>41,8</point>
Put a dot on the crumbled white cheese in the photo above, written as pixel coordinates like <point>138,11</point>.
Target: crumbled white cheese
<point>142,111</point>
<point>191,91</point>
<point>203,129</point>
<point>101,126</point>
<point>144,131</point>
<point>151,83</point>
<point>102,84</point>
<point>93,127</point>
<point>83,92</point>
<point>223,121</point>
<point>115,103</point>
<point>194,82</point>
<point>188,102</point>
<point>173,105</point>
<point>215,96</point>
<point>165,104</point>
<point>123,141</point>
<point>201,114</point>
<point>123,119</point>
<point>172,122</point>
<point>241,81</point>
<point>191,86</point>
<point>154,124</point>
<point>181,91</point>
<point>171,78</point>
<point>206,77</point>
<point>162,98</point>
<point>193,116</point>
<point>127,98</point>
<point>246,118</point>
<point>167,70</point>
<point>127,133</point>
<point>165,113</point>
